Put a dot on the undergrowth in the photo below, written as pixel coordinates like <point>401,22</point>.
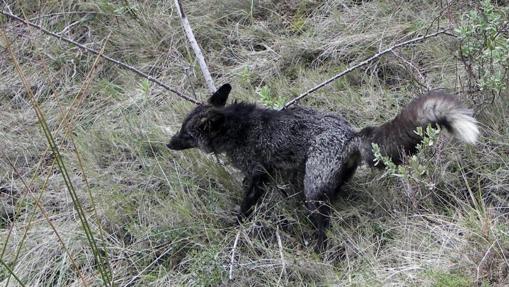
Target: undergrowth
<point>91,196</point>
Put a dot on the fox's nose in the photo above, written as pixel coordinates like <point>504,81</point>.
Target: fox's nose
<point>177,143</point>
<point>173,144</point>
<point>181,142</point>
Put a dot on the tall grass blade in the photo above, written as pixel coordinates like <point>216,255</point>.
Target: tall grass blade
<point>101,264</point>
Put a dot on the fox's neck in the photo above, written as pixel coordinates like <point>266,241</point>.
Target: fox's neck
<point>237,128</point>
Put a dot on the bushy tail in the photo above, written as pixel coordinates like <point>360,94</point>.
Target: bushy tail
<point>397,137</point>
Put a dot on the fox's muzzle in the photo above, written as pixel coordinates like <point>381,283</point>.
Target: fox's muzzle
<point>179,142</point>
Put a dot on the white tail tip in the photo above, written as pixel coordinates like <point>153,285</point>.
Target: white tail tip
<point>463,125</point>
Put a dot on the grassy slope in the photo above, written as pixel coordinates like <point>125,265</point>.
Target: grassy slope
<point>167,218</point>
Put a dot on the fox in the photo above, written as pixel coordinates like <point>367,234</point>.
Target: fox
<point>318,150</point>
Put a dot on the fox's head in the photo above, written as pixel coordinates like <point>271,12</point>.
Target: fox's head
<point>203,124</point>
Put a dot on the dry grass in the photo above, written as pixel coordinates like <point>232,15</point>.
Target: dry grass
<point>165,218</point>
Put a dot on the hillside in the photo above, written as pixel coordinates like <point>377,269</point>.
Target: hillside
<point>91,196</point>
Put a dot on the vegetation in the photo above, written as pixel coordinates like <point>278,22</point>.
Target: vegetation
<point>90,195</point>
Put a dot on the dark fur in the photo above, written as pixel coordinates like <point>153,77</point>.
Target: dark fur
<point>320,150</point>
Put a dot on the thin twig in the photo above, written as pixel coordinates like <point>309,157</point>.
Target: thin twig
<point>232,260</point>
<point>437,18</point>
<point>69,115</point>
<point>360,64</point>
<point>69,13</point>
<point>196,48</point>
<point>117,62</point>
<point>283,265</point>
<point>7,6</point>
<point>422,80</point>
<point>478,269</point>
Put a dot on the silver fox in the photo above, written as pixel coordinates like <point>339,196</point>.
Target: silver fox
<point>320,151</point>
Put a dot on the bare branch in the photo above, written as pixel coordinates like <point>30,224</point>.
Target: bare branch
<point>360,64</point>
<point>117,62</point>
<point>283,265</point>
<point>420,78</point>
<point>7,6</point>
<point>232,260</point>
<point>196,48</point>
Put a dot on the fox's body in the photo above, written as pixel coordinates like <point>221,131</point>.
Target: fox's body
<point>275,140</point>
<point>317,151</point>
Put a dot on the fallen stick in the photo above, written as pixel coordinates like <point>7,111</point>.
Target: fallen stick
<point>360,64</point>
<point>117,62</point>
<point>232,259</point>
<point>283,265</point>
<point>196,48</point>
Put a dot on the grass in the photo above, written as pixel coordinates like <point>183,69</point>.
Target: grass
<point>162,218</point>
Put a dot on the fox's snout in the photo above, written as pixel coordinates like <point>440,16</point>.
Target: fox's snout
<point>173,145</point>
<point>179,142</point>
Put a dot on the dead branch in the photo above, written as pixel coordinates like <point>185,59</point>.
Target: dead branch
<point>362,63</point>
<point>420,79</point>
<point>116,62</point>
<point>283,265</point>
<point>232,259</point>
<point>196,48</point>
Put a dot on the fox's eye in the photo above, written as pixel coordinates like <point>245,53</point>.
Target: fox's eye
<point>185,135</point>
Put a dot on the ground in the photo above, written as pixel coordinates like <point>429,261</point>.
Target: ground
<point>91,196</point>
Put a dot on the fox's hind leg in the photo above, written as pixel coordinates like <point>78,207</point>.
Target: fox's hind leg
<point>328,166</point>
<point>319,214</point>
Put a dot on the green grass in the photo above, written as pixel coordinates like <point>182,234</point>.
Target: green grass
<point>442,279</point>
<point>164,218</point>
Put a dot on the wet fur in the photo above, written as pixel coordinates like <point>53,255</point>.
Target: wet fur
<point>320,151</point>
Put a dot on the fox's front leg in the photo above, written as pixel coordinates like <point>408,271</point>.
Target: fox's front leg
<point>254,185</point>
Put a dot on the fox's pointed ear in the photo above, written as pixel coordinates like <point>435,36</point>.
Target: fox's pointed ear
<point>218,99</point>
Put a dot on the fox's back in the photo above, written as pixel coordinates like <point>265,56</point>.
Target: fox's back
<point>282,139</point>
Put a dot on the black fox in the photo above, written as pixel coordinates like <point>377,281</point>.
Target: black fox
<point>320,150</point>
